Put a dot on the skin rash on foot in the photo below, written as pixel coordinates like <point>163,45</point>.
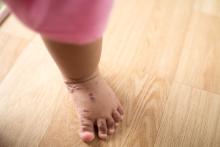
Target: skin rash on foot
<point>72,89</point>
<point>97,106</point>
<point>91,96</point>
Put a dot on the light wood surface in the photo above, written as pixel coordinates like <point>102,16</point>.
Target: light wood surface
<point>14,37</point>
<point>162,58</point>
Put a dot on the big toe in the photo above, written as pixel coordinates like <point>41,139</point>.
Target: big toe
<point>87,136</point>
<point>87,130</point>
<point>102,128</point>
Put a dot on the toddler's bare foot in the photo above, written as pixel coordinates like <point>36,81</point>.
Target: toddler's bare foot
<point>96,104</point>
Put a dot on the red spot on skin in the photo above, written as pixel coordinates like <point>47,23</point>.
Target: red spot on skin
<point>79,88</point>
<point>86,110</point>
<point>92,98</point>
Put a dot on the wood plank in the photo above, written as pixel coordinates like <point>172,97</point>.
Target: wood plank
<point>211,7</point>
<point>13,26</point>
<point>191,119</point>
<point>151,42</point>
<point>28,97</point>
<point>14,37</point>
<point>143,97</point>
<point>200,59</point>
<point>10,49</point>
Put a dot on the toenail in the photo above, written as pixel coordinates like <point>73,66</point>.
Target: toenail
<point>103,136</point>
<point>102,128</point>
<point>111,130</point>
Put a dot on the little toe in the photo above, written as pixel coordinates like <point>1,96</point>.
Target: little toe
<point>120,110</point>
<point>87,130</point>
<point>111,126</point>
<point>116,116</point>
<point>102,128</point>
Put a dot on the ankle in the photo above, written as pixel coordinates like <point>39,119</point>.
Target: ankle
<point>83,79</point>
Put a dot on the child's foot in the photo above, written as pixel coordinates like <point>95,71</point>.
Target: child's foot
<point>96,105</point>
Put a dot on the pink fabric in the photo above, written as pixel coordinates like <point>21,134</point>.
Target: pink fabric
<point>70,21</point>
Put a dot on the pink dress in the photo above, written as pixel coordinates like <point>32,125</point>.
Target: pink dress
<point>69,21</point>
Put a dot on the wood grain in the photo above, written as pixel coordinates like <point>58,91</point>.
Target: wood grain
<point>200,59</point>
<point>191,119</point>
<point>11,45</point>
<point>139,103</point>
<point>14,27</point>
<point>27,109</point>
<point>162,59</point>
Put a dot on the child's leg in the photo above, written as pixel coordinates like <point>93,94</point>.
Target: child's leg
<point>77,62</point>
<point>96,103</point>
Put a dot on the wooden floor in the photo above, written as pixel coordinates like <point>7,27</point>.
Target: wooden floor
<point>162,58</point>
